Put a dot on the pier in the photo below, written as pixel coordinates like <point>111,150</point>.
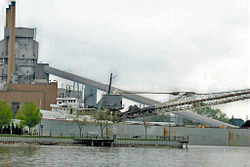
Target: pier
<point>94,141</point>
<point>175,142</point>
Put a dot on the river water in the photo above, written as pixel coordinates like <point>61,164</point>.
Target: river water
<point>198,156</point>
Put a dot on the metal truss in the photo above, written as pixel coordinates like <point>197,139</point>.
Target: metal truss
<point>188,101</point>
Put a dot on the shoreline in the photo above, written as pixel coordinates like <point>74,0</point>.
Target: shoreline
<point>100,142</point>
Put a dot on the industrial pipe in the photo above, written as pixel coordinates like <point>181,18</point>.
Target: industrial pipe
<point>11,43</point>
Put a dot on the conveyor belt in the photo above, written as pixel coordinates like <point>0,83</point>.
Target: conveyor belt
<point>97,85</point>
<point>177,106</point>
<point>189,102</point>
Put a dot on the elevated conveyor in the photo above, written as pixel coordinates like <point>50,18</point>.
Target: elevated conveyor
<point>97,85</point>
<point>189,101</point>
<point>179,106</point>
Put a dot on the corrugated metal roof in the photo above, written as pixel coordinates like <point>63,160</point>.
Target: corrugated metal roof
<point>202,119</point>
<point>47,114</point>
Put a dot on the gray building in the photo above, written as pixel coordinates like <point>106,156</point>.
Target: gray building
<point>27,70</point>
<point>197,136</point>
<point>90,96</point>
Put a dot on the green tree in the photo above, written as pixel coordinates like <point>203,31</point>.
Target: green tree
<point>104,118</point>
<point>212,113</point>
<point>81,120</point>
<point>160,118</point>
<point>29,115</point>
<point>5,114</point>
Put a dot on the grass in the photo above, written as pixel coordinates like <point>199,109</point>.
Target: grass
<point>31,136</point>
<point>87,137</point>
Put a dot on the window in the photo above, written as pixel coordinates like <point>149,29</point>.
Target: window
<point>15,108</point>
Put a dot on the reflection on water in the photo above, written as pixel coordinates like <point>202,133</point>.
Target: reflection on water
<point>12,155</point>
<point>32,155</point>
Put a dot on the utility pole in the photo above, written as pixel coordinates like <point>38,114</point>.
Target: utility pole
<point>110,83</point>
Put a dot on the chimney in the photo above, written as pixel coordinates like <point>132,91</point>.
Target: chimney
<point>7,18</point>
<point>10,24</point>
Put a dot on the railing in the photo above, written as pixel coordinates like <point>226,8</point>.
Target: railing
<point>35,139</point>
<point>159,141</point>
<point>173,141</point>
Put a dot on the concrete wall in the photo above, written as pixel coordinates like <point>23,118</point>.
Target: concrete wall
<point>40,74</point>
<point>41,94</point>
<point>197,136</point>
<point>21,32</point>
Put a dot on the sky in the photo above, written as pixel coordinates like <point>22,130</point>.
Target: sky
<point>151,45</point>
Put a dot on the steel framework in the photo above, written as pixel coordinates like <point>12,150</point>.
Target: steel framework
<point>188,101</point>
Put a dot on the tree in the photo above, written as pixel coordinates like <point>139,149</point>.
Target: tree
<point>81,120</point>
<point>5,114</point>
<point>29,115</point>
<point>212,113</point>
<point>160,118</point>
<point>103,118</point>
<point>145,121</point>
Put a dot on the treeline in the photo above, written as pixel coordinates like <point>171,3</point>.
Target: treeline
<point>28,115</point>
<point>11,129</point>
<point>207,111</point>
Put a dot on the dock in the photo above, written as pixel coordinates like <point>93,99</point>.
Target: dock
<point>176,142</point>
<point>94,141</point>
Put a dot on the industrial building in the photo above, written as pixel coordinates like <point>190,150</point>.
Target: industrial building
<point>22,78</point>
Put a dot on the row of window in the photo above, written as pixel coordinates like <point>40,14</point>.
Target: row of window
<point>22,55</point>
<point>69,101</point>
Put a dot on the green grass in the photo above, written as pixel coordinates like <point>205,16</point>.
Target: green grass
<point>33,136</point>
<point>87,137</point>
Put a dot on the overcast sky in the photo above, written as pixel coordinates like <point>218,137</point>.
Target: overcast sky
<point>152,45</point>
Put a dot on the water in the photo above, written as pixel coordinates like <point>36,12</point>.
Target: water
<point>201,156</point>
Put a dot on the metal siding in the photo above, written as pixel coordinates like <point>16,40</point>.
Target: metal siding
<point>197,136</point>
<point>90,96</point>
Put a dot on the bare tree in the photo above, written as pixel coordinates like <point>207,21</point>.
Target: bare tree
<point>145,121</point>
<point>103,118</point>
<point>81,121</point>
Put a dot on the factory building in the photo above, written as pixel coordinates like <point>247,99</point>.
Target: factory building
<point>22,78</point>
<point>41,94</point>
<point>27,70</point>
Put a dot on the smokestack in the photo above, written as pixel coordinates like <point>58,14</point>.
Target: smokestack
<point>7,18</point>
<point>11,43</point>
